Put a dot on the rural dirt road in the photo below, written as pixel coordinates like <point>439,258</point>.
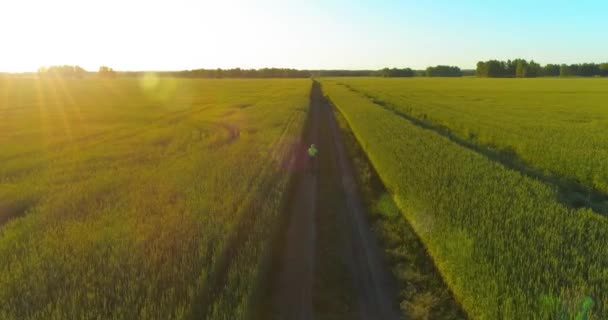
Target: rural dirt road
<point>375,295</point>
<point>293,297</point>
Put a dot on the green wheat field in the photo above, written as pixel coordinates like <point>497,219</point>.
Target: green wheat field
<point>159,197</point>
<point>120,197</point>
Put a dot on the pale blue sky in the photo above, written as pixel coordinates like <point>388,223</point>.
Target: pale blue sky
<point>339,34</point>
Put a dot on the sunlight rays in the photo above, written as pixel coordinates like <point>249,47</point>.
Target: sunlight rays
<point>7,85</point>
<point>43,108</point>
<point>71,102</point>
<point>67,127</point>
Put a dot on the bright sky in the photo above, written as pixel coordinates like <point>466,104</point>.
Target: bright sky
<point>312,34</point>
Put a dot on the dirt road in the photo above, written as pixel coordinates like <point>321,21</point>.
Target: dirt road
<point>293,295</point>
<point>375,296</point>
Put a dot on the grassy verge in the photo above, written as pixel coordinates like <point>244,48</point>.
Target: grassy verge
<point>422,292</point>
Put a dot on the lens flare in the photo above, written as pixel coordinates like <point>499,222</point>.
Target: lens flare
<point>158,88</point>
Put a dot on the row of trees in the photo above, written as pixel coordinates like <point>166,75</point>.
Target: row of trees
<point>511,68</point>
<point>394,72</point>
<point>344,73</point>
<point>69,71</point>
<point>106,72</point>
<point>520,68</point>
<point>292,73</point>
<point>438,71</point>
<point>517,68</point>
<point>443,71</point>
<point>584,70</point>
<point>62,71</point>
<point>242,73</point>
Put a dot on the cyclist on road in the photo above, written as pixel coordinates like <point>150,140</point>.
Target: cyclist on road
<point>312,156</point>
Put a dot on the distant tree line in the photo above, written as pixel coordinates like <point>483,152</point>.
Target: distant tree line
<point>385,72</point>
<point>443,71</point>
<point>395,72</point>
<point>584,70</point>
<point>283,73</point>
<point>345,73</point>
<point>517,68</point>
<point>65,71</point>
<point>69,71</point>
<point>289,73</point>
<point>520,68</point>
<point>438,71</point>
<point>242,73</point>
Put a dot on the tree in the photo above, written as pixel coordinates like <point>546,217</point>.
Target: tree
<point>588,70</point>
<point>534,69</point>
<point>568,70</point>
<point>511,67</point>
<point>496,68</point>
<point>106,72</point>
<point>604,69</point>
<point>65,71</point>
<point>550,70</point>
<point>491,69</point>
<point>521,69</point>
<point>482,69</point>
<point>394,72</point>
<point>443,71</point>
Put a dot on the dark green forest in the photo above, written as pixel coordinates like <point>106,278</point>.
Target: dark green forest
<point>520,68</point>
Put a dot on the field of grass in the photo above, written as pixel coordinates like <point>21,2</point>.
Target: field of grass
<point>505,245</point>
<point>149,198</point>
<point>553,127</point>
